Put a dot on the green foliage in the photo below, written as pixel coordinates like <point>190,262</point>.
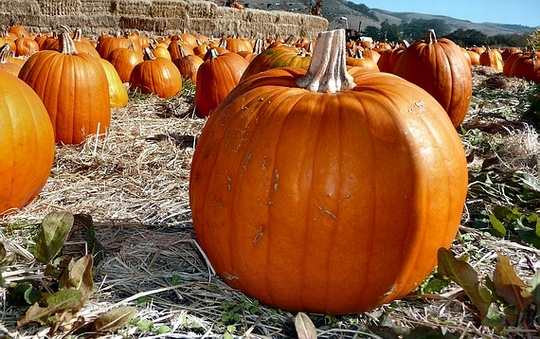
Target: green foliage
<point>500,301</point>
<point>362,9</point>
<point>533,40</point>
<point>233,311</point>
<point>67,283</point>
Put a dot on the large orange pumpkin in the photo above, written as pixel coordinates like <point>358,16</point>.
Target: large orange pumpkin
<point>27,140</point>
<point>311,192</point>
<point>73,87</point>
<point>439,67</point>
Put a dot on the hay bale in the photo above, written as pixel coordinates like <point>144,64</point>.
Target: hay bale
<point>157,17</point>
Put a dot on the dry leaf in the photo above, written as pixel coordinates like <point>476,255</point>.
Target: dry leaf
<point>304,327</point>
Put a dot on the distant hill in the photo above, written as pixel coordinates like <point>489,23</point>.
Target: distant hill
<point>335,10</point>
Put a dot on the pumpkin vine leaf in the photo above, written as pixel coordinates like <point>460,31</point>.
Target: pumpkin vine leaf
<point>465,276</point>
<point>114,319</point>
<point>508,285</point>
<point>55,228</point>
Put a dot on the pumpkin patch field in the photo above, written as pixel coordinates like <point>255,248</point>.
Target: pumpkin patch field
<point>241,188</point>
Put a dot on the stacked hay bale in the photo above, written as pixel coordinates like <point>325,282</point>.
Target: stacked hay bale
<point>158,17</point>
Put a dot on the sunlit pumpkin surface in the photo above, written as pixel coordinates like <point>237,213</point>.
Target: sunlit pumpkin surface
<point>27,143</point>
<point>327,202</point>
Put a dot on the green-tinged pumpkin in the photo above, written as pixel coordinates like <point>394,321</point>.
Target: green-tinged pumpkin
<point>439,67</point>
<point>27,140</point>
<point>74,89</point>
<point>317,192</point>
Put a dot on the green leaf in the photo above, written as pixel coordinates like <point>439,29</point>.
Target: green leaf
<point>534,288</point>
<point>79,277</point>
<point>55,228</point>
<point>53,303</point>
<point>507,284</point>
<point>114,319</point>
<point>96,248</point>
<point>304,327</point>
<point>494,318</point>
<point>25,293</point>
<point>465,276</point>
<point>497,225</point>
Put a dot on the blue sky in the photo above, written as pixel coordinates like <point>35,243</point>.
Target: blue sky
<point>520,12</point>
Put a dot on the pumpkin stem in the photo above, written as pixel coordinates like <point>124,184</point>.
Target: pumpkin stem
<point>328,70</point>
<point>65,40</point>
<point>4,53</point>
<point>431,38</point>
<point>148,55</point>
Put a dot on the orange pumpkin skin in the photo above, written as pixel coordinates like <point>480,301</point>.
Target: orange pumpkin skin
<point>74,88</point>
<point>280,56</point>
<point>216,77</point>
<point>27,140</point>
<point>527,66</point>
<point>124,60</point>
<point>440,68</point>
<point>327,202</point>
<point>5,64</point>
<point>475,58</point>
<point>492,58</point>
<point>156,75</point>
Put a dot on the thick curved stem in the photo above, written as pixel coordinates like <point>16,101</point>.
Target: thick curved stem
<point>328,69</point>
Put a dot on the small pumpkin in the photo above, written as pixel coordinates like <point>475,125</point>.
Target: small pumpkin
<point>25,46</point>
<point>216,77</point>
<point>527,66</point>
<point>492,58</point>
<point>124,59</point>
<point>279,56</point>
<point>324,193</point>
<point>27,140</point>
<point>156,75</point>
<point>188,65</point>
<point>5,64</point>
<point>439,67</point>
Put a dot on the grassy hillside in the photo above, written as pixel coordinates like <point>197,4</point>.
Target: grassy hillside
<point>334,10</point>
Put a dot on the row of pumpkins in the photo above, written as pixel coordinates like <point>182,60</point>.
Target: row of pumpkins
<point>316,184</point>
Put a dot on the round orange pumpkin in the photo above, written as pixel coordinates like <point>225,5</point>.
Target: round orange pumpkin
<point>439,67</point>
<point>310,192</point>
<point>27,140</point>
<point>73,87</point>
<point>124,59</point>
<point>279,56</point>
<point>216,77</point>
<point>156,75</point>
